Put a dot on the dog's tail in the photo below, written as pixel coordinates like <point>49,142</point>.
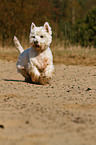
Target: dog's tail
<point>18,45</point>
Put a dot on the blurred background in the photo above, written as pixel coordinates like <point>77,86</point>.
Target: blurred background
<point>73,22</point>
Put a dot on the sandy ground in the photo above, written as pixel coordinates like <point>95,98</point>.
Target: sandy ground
<point>60,113</point>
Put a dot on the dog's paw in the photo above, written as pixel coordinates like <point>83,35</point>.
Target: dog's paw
<point>44,79</point>
<point>34,73</point>
<point>35,79</point>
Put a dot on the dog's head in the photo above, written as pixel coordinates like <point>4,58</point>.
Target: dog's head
<point>40,37</point>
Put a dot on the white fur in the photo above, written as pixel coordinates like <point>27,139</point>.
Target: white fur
<point>36,63</point>
<point>18,45</point>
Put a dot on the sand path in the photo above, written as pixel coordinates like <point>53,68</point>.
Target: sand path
<point>60,113</point>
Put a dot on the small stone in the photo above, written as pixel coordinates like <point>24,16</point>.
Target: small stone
<point>27,122</point>
<point>88,89</point>
<point>1,126</point>
<point>78,120</point>
<point>68,91</point>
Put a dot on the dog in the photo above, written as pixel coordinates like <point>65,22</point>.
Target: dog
<point>36,63</point>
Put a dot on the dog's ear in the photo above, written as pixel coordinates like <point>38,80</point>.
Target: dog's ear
<point>32,25</point>
<point>47,28</point>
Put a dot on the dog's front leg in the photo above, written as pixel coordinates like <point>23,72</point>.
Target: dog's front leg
<point>47,74</point>
<point>34,74</point>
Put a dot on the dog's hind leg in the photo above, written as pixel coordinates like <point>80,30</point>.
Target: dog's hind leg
<point>25,75</point>
<point>18,45</point>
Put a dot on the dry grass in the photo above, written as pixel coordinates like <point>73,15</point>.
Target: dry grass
<point>69,56</point>
<point>9,54</point>
<point>74,55</point>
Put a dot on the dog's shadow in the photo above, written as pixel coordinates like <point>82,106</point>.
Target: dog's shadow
<point>11,80</point>
<point>24,81</point>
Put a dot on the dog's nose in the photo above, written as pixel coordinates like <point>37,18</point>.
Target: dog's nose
<point>35,42</point>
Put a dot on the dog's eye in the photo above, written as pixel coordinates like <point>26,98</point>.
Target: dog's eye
<point>33,36</point>
<point>41,36</point>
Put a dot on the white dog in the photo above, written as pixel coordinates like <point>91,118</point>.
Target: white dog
<point>36,63</point>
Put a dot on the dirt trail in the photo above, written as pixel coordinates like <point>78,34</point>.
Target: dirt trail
<point>60,113</point>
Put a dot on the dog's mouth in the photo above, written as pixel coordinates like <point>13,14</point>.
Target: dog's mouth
<point>36,45</point>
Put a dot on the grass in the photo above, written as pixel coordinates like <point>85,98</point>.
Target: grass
<point>9,54</point>
<point>74,55</point>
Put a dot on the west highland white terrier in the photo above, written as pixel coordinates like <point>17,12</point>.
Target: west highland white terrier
<point>36,63</point>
